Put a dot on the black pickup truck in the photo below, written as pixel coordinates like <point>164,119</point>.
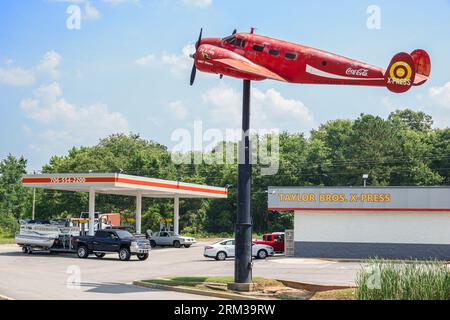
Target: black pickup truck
<point>112,240</point>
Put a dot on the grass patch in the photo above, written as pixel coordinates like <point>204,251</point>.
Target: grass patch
<point>344,294</point>
<point>390,280</point>
<point>195,281</point>
<point>7,240</point>
<point>265,288</point>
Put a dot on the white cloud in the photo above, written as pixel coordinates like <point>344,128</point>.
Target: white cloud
<point>65,124</point>
<point>91,12</point>
<point>15,76</point>
<point>178,109</point>
<point>198,3</point>
<point>117,2</point>
<point>225,103</point>
<point>178,64</point>
<point>145,60</point>
<point>441,95</point>
<point>50,64</point>
<point>269,109</point>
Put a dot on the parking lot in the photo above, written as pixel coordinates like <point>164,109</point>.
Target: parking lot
<point>50,276</point>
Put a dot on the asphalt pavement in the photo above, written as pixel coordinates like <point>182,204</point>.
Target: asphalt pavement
<point>65,276</point>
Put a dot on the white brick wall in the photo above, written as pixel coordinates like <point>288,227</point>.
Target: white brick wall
<point>372,227</point>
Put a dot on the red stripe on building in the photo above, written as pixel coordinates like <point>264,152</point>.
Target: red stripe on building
<point>36,180</point>
<point>170,186</point>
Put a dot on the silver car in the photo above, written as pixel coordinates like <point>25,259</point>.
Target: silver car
<point>170,238</point>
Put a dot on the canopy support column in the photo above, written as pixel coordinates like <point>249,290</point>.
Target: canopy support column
<point>176,215</point>
<point>91,210</point>
<point>138,212</point>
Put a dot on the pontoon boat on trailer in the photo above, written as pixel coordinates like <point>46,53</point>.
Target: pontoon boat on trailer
<point>45,235</point>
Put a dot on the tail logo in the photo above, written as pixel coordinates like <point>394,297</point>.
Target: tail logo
<point>400,73</point>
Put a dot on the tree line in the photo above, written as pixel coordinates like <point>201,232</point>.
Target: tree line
<point>402,150</point>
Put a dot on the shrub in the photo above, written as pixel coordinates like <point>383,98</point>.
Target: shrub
<point>8,225</point>
<point>388,280</point>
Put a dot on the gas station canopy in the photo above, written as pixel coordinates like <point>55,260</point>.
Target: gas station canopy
<point>124,185</point>
<point>121,184</point>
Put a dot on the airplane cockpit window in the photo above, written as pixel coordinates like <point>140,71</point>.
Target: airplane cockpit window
<point>235,41</point>
<point>231,40</point>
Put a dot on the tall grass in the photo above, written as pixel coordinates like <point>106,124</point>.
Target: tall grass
<point>388,280</point>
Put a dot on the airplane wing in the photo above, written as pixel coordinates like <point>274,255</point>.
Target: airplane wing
<point>249,67</point>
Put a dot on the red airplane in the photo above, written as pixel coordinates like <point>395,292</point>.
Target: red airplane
<point>253,57</point>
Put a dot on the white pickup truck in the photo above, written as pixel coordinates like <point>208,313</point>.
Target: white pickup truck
<point>170,238</point>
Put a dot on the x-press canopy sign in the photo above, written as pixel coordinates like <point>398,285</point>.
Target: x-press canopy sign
<point>120,184</point>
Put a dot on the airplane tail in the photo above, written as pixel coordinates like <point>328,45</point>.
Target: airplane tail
<point>422,63</point>
<point>407,70</point>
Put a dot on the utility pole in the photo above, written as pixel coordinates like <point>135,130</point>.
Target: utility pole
<point>33,209</point>
<point>34,205</point>
<point>243,261</point>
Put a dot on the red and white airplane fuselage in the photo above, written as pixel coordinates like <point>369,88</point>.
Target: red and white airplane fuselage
<point>253,57</point>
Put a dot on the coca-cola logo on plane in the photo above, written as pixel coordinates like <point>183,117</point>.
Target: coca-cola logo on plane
<point>357,72</point>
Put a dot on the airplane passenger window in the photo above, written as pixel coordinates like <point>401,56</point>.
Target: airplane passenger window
<point>290,56</point>
<point>274,52</point>
<point>258,48</point>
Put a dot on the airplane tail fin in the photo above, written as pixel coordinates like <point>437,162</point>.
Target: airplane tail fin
<point>422,64</point>
<point>401,73</point>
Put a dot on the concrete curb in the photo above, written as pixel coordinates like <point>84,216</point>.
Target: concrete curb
<point>223,295</point>
<point>312,287</point>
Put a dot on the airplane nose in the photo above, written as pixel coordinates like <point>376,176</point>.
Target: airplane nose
<point>211,41</point>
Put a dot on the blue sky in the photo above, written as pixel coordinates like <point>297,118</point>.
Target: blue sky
<point>127,70</point>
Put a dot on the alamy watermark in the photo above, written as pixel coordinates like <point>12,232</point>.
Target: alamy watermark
<point>374,20</point>
<point>215,146</point>
<point>73,22</point>
<point>373,281</point>
<point>73,281</point>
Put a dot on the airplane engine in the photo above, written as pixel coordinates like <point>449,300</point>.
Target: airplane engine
<point>213,59</point>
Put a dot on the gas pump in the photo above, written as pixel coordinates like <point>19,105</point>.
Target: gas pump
<point>166,224</point>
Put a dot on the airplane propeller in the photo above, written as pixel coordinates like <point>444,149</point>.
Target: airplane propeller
<point>197,45</point>
<point>194,68</point>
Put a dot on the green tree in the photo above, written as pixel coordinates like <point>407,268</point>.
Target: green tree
<point>415,120</point>
<point>400,150</point>
<point>14,198</point>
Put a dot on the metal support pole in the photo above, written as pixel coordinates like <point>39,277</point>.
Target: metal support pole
<point>243,261</point>
<point>138,212</point>
<point>176,215</point>
<point>91,211</point>
<point>34,204</point>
